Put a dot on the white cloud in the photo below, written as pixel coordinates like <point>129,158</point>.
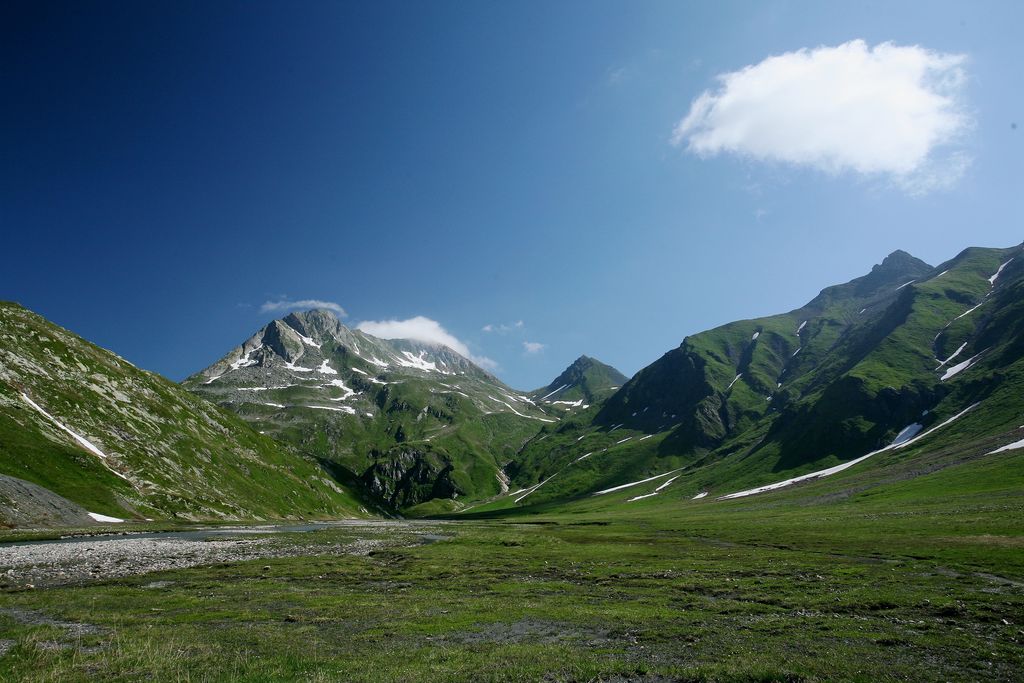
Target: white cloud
<point>503,327</point>
<point>286,305</point>
<point>423,329</point>
<point>889,110</point>
<point>486,363</point>
<point>533,347</point>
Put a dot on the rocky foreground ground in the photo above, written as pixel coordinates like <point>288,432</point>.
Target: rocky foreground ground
<point>71,561</point>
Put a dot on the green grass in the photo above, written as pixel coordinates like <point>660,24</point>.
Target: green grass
<point>914,579</point>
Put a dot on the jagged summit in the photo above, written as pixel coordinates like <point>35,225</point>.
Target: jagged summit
<point>304,341</point>
<point>411,421</point>
<point>315,322</point>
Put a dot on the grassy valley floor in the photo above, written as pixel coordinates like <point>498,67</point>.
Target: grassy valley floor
<point>849,591</point>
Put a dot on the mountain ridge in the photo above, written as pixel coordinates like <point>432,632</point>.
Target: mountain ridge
<point>754,400</point>
<point>415,428</point>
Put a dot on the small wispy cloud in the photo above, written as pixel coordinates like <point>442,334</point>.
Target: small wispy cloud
<point>503,328</point>
<point>283,305</point>
<point>533,347</point>
<point>617,75</point>
<point>423,329</point>
<point>889,110</point>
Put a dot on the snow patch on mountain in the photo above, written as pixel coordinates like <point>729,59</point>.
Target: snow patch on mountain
<point>636,483</point>
<point>959,367</point>
<point>295,368</point>
<point>105,518</point>
<point>564,386</point>
<point>907,433</point>
<point>1008,447</point>
<point>992,280</point>
<point>82,441</point>
<point>955,354</point>
<point>666,483</point>
<point>533,488</point>
<point>895,445</point>
<point>418,362</point>
<point>970,310</point>
<point>340,409</point>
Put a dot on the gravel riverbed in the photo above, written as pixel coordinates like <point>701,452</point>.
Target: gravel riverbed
<point>36,565</point>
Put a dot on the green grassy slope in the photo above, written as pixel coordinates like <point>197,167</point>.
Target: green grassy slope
<point>162,452</point>
<point>759,401</point>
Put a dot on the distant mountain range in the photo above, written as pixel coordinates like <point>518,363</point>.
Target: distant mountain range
<point>336,422</point>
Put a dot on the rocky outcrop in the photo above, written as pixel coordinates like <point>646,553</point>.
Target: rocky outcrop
<point>406,476</point>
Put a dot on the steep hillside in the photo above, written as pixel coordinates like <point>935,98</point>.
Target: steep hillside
<point>82,428</point>
<point>416,425</point>
<point>586,381</point>
<point>883,357</point>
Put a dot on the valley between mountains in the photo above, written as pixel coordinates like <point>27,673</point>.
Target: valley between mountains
<point>309,419</point>
<point>831,493</point>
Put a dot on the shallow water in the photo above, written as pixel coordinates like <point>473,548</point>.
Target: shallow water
<point>211,533</point>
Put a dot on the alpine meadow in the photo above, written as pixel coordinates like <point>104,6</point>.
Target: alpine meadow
<point>500,342</point>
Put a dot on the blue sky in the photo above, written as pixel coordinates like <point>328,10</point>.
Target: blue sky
<point>169,168</point>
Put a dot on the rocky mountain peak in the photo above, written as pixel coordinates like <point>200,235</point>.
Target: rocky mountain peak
<point>584,377</point>
<point>899,262</point>
<point>315,323</point>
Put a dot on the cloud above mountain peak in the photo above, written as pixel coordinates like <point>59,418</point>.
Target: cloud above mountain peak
<point>423,329</point>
